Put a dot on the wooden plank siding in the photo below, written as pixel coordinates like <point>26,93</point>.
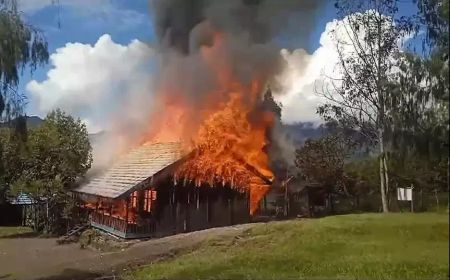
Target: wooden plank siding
<point>180,209</point>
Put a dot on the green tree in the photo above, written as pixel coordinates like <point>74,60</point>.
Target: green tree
<point>421,122</point>
<point>322,160</point>
<point>367,60</point>
<point>21,45</point>
<point>12,153</point>
<point>58,152</point>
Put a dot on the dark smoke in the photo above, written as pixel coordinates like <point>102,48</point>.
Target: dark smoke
<point>260,20</point>
<point>252,29</point>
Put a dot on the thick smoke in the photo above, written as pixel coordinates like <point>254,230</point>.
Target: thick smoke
<point>253,30</point>
<point>177,21</point>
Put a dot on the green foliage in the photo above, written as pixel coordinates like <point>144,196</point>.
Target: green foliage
<point>322,160</point>
<point>58,152</point>
<point>434,14</point>
<point>7,232</point>
<point>367,246</point>
<point>87,237</point>
<point>364,171</point>
<point>424,173</point>
<point>21,45</point>
<point>12,154</point>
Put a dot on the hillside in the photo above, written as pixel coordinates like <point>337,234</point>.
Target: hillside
<point>32,122</point>
<point>364,246</point>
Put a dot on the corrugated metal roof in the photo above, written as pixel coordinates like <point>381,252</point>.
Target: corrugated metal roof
<point>138,165</point>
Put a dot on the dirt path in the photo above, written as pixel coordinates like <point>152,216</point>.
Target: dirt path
<point>37,258</point>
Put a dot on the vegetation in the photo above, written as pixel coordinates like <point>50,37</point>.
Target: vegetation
<point>367,246</point>
<point>21,45</point>
<point>46,166</point>
<point>361,98</point>
<point>6,232</point>
<point>391,95</point>
<point>322,160</point>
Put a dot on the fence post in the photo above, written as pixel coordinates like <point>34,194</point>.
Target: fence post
<point>437,199</point>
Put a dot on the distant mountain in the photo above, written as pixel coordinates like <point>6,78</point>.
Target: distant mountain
<point>35,121</point>
<point>32,122</point>
<point>302,131</point>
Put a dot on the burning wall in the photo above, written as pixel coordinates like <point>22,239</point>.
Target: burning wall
<point>225,128</point>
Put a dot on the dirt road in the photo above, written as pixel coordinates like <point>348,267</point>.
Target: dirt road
<point>37,258</point>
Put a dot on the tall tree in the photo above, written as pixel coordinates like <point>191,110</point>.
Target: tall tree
<point>422,91</point>
<point>21,45</point>
<point>367,44</point>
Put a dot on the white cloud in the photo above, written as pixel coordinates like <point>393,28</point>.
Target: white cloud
<point>92,81</point>
<point>303,74</point>
<point>307,72</point>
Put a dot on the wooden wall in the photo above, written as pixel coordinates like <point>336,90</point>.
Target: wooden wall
<point>188,208</point>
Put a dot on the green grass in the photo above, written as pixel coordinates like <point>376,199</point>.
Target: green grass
<point>364,246</point>
<point>6,232</point>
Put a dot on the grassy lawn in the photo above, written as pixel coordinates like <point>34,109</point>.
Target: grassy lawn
<point>364,246</point>
<point>6,232</point>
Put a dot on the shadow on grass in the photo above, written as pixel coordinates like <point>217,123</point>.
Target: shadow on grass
<point>75,274</point>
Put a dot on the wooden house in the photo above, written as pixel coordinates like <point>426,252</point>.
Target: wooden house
<point>139,197</point>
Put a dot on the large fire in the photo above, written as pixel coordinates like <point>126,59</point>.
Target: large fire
<point>226,130</point>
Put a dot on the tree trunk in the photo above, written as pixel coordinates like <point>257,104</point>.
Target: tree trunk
<point>381,124</point>
<point>384,200</point>
<point>286,201</point>
<point>421,199</point>
<point>437,199</point>
<point>386,180</point>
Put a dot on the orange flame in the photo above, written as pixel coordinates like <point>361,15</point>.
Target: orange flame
<point>225,131</point>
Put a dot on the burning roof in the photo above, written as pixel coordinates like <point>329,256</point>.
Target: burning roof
<point>149,159</point>
<point>133,169</point>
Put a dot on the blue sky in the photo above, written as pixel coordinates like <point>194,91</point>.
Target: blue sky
<point>61,24</point>
<point>123,20</point>
<point>85,21</point>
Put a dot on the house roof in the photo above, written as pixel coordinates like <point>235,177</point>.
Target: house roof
<point>128,172</point>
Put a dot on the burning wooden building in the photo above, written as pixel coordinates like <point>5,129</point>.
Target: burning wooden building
<point>148,193</point>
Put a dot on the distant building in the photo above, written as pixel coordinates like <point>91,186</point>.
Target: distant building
<point>301,199</point>
<point>17,210</point>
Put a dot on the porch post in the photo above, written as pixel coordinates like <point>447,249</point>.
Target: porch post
<point>207,205</point>
<point>187,217</point>
<point>127,203</point>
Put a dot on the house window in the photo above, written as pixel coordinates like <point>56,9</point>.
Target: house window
<point>149,197</point>
<point>134,199</point>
